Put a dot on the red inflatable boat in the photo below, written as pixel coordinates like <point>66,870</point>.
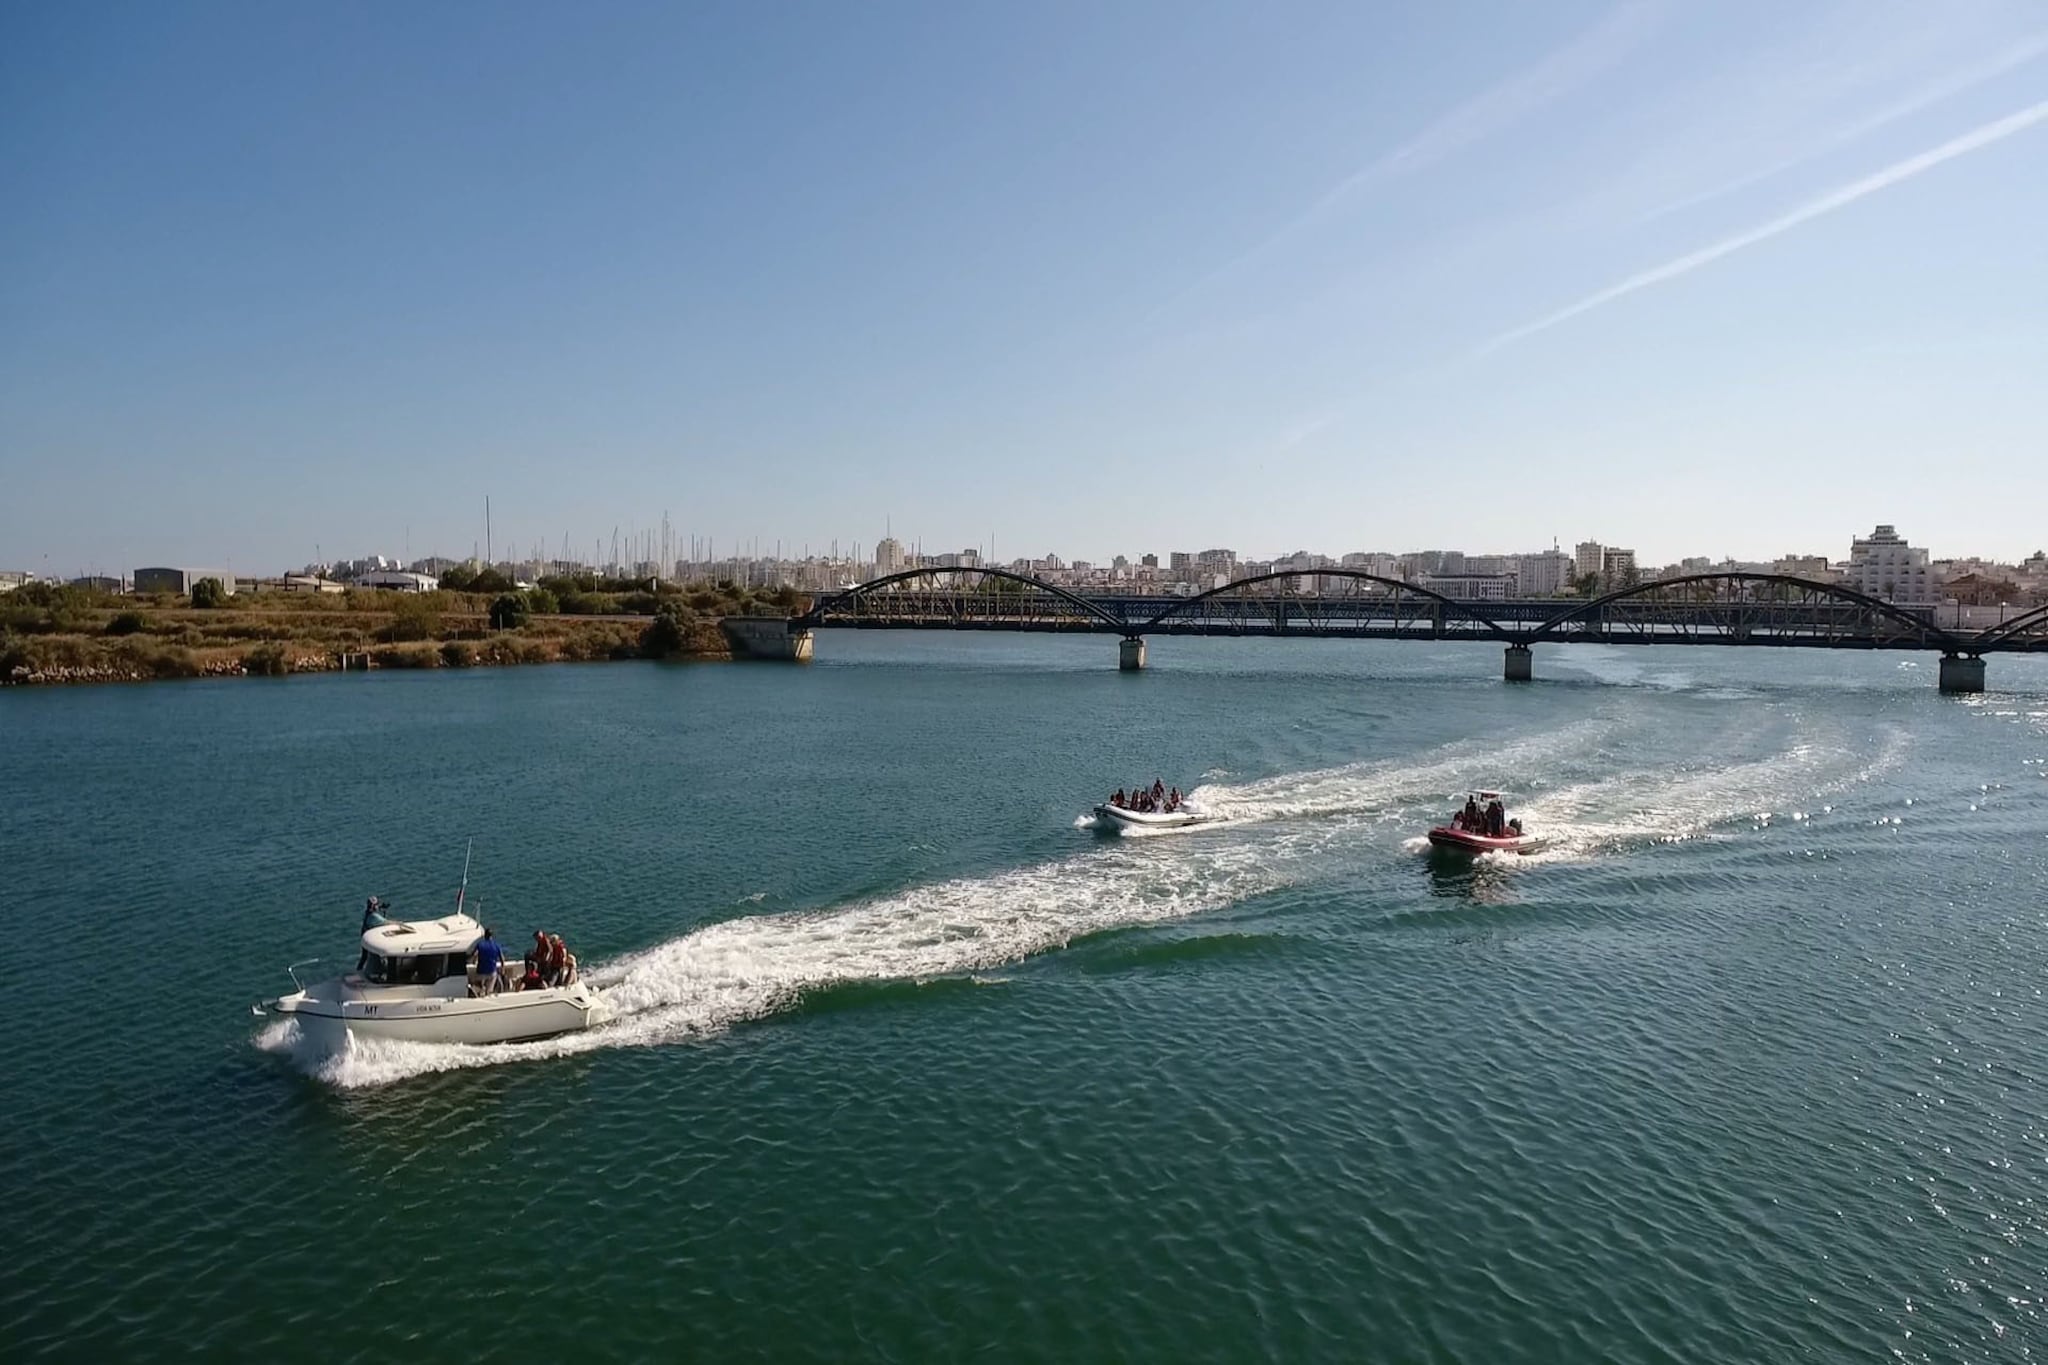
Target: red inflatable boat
<point>1471,841</point>
<point>1443,836</point>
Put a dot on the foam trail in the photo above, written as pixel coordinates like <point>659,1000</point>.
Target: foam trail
<point>742,969</point>
<point>747,968</point>
<point>1656,806</point>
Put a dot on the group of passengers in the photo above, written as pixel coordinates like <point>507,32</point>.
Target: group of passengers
<point>1157,799</point>
<point>1492,822</point>
<point>548,963</point>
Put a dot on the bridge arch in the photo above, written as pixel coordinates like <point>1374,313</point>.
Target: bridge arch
<point>853,594</point>
<point>1464,610</point>
<point>1992,636</point>
<point>1919,625</point>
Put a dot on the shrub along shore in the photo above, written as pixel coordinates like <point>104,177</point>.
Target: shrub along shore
<point>51,634</point>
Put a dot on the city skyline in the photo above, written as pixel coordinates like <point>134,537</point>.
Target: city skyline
<point>1079,278</point>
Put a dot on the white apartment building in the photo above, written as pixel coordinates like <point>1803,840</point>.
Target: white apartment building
<point>1587,558</point>
<point>1617,567</point>
<point>1884,566</point>
<point>1472,587</point>
<point>1543,575</point>
<point>888,556</point>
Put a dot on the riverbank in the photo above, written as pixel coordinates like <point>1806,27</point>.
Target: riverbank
<point>56,636</point>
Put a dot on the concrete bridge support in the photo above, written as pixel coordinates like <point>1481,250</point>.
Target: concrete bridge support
<point>1521,665</point>
<point>766,637</point>
<point>1130,653</point>
<point>1962,673</point>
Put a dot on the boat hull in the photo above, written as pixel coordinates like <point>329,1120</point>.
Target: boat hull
<point>1463,841</point>
<point>514,1017</point>
<point>1113,817</point>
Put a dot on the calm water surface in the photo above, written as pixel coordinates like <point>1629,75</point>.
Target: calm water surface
<point>907,1067</point>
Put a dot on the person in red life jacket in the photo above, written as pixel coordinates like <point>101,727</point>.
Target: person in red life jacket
<point>557,961</point>
<point>533,980</point>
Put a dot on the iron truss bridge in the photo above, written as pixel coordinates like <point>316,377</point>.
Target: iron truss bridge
<point>1700,609</point>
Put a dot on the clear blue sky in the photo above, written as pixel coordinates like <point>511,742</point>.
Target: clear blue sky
<point>1715,277</point>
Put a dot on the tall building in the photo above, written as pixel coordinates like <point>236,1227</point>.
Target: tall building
<point>1543,575</point>
<point>1883,565</point>
<point>1617,568</point>
<point>1588,559</point>
<point>888,556</point>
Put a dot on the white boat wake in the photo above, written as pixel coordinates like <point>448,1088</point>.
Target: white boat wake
<point>1283,831</point>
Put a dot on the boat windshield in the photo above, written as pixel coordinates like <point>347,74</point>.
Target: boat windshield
<point>422,969</point>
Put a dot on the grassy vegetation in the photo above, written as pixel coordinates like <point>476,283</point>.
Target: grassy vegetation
<point>53,634</point>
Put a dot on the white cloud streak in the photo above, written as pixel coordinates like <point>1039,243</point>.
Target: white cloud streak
<point>1956,83</point>
<point>1487,114</point>
<point>1897,173</point>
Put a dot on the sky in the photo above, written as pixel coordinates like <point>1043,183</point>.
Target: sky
<point>1693,276</point>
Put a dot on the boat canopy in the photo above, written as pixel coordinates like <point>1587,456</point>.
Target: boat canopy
<point>417,938</point>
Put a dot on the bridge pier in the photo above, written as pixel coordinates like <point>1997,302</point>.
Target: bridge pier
<point>766,637</point>
<point>1962,673</point>
<point>1520,664</point>
<point>1130,654</point>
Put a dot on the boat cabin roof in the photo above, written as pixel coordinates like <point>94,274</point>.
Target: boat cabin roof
<point>1485,796</point>
<point>411,938</point>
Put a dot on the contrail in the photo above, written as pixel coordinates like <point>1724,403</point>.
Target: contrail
<point>1848,194</point>
<point>1495,110</point>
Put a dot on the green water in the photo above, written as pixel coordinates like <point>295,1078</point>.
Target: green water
<point>908,1067</point>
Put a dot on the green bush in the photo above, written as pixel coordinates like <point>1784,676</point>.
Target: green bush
<point>459,654</point>
<point>413,617</point>
<point>541,602</point>
<point>668,634</point>
<point>509,612</point>
<point>208,593</point>
<point>267,661</point>
<point>127,623</point>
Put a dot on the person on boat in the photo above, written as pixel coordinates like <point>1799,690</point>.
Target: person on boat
<point>373,914</point>
<point>490,956</point>
<point>1173,801</point>
<point>1158,790</point>
<point>557,961</point>
<point>1496,819</point>
<point>1471,815</point>
<point>533,980</point>
<point>1118,799</point>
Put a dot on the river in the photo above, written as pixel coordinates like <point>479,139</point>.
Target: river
<point>905,1066</point>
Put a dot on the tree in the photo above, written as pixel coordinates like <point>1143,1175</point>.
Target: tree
<point>668,634</point>
<point>509,612</point>
<point>208,593</point>
<point>458,577</point>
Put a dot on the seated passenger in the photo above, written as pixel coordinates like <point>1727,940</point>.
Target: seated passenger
<point>373,914</point>
<point>1118,799</point>
<point>533,980</point>
<point>569,969</point>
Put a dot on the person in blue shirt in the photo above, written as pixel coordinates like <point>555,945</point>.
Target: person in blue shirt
<point>490,955</point>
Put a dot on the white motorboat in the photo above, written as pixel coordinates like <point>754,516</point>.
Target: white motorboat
<point>1118,817</point>
<point>415,983</point>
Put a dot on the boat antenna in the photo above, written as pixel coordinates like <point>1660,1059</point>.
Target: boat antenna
<point>463,889</point>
